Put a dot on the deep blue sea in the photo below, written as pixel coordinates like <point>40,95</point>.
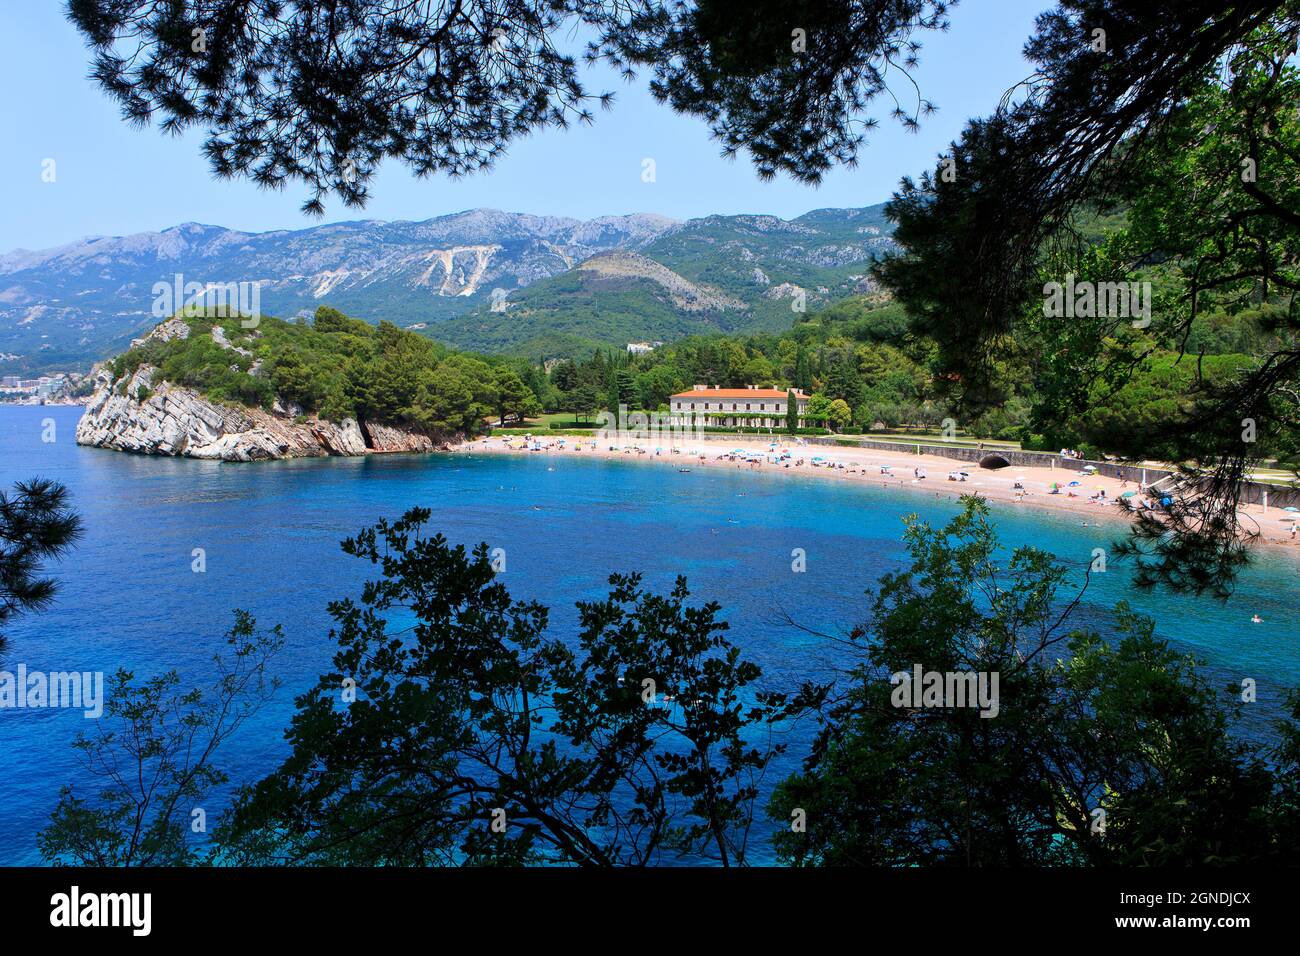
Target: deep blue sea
<point>271,533</point>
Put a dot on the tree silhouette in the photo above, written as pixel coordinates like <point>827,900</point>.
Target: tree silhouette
<point>322,92</point>
<point>468,736</point>
<point>1156,108</point>
<point>35,526</point>
<point>1107,750</point>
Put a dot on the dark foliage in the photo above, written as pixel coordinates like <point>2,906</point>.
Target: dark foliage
<point>1102,751</point>
<point>1158,110</point>
<point>474,739</point>
<point>322,92</point>
<point>150,761</point>
<point>36,525</point>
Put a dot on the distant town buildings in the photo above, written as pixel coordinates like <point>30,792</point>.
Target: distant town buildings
<point>750,407</point>
<point>17,387</point>
<point>641,348</point>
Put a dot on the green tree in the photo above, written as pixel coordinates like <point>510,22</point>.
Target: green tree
<point>330,320</point>
<point>656,385</point>
<point>358,387</point>
<point>625,386</point>
<point>565,375</point>
<point>1084,729</point>
<point>1209,190</point>
<point>819,408</point>
<point>295,381</point>
<point>152,759</point>
<point>641,742</point>
<point>791,412</point>
<point>613,399</point>
<point>839,414</point>
<point>583,401</point>
<point>843,380</point>
<point>757,370</point>
<point>514,398</point>
<point>36,525</point>
<point>803,378</point>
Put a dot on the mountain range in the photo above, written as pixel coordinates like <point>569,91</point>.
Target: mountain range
<point>485,280</point>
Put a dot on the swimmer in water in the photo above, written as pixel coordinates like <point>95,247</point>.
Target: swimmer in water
<point>1256,620</point>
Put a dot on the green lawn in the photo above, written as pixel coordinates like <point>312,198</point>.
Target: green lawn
<point>543,422</point>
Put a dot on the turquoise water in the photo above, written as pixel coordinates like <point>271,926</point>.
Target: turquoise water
<point>271,532</point>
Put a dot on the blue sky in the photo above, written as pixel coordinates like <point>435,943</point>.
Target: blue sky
<point>114,179</point>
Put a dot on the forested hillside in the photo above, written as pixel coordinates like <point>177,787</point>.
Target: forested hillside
<point>718,274</point>
<point>335,367</point>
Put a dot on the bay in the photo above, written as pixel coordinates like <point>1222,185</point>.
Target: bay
<point>270,532</point>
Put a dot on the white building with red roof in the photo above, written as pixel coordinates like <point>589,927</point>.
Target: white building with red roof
<point>749,407</point>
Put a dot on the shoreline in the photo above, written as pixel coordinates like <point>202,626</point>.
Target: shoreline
<point>925,473</point>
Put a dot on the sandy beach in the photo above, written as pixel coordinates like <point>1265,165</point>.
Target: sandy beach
<point>1094,498</point>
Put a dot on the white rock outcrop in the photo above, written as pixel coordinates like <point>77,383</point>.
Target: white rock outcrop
<point>135,415</point>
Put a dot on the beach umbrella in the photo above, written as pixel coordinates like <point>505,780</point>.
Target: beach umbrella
<point>1290,508</point>
<point>1073,484</point>
<point>1128,494</point>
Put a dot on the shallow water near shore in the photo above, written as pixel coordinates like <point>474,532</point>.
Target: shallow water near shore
<point>270,533</point>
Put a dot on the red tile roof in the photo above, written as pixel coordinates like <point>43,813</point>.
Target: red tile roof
<point>708,394</point>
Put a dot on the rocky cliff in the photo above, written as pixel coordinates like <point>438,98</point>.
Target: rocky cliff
<point>148,417</point>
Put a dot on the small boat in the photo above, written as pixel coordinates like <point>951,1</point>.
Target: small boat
<point>683,470</point>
